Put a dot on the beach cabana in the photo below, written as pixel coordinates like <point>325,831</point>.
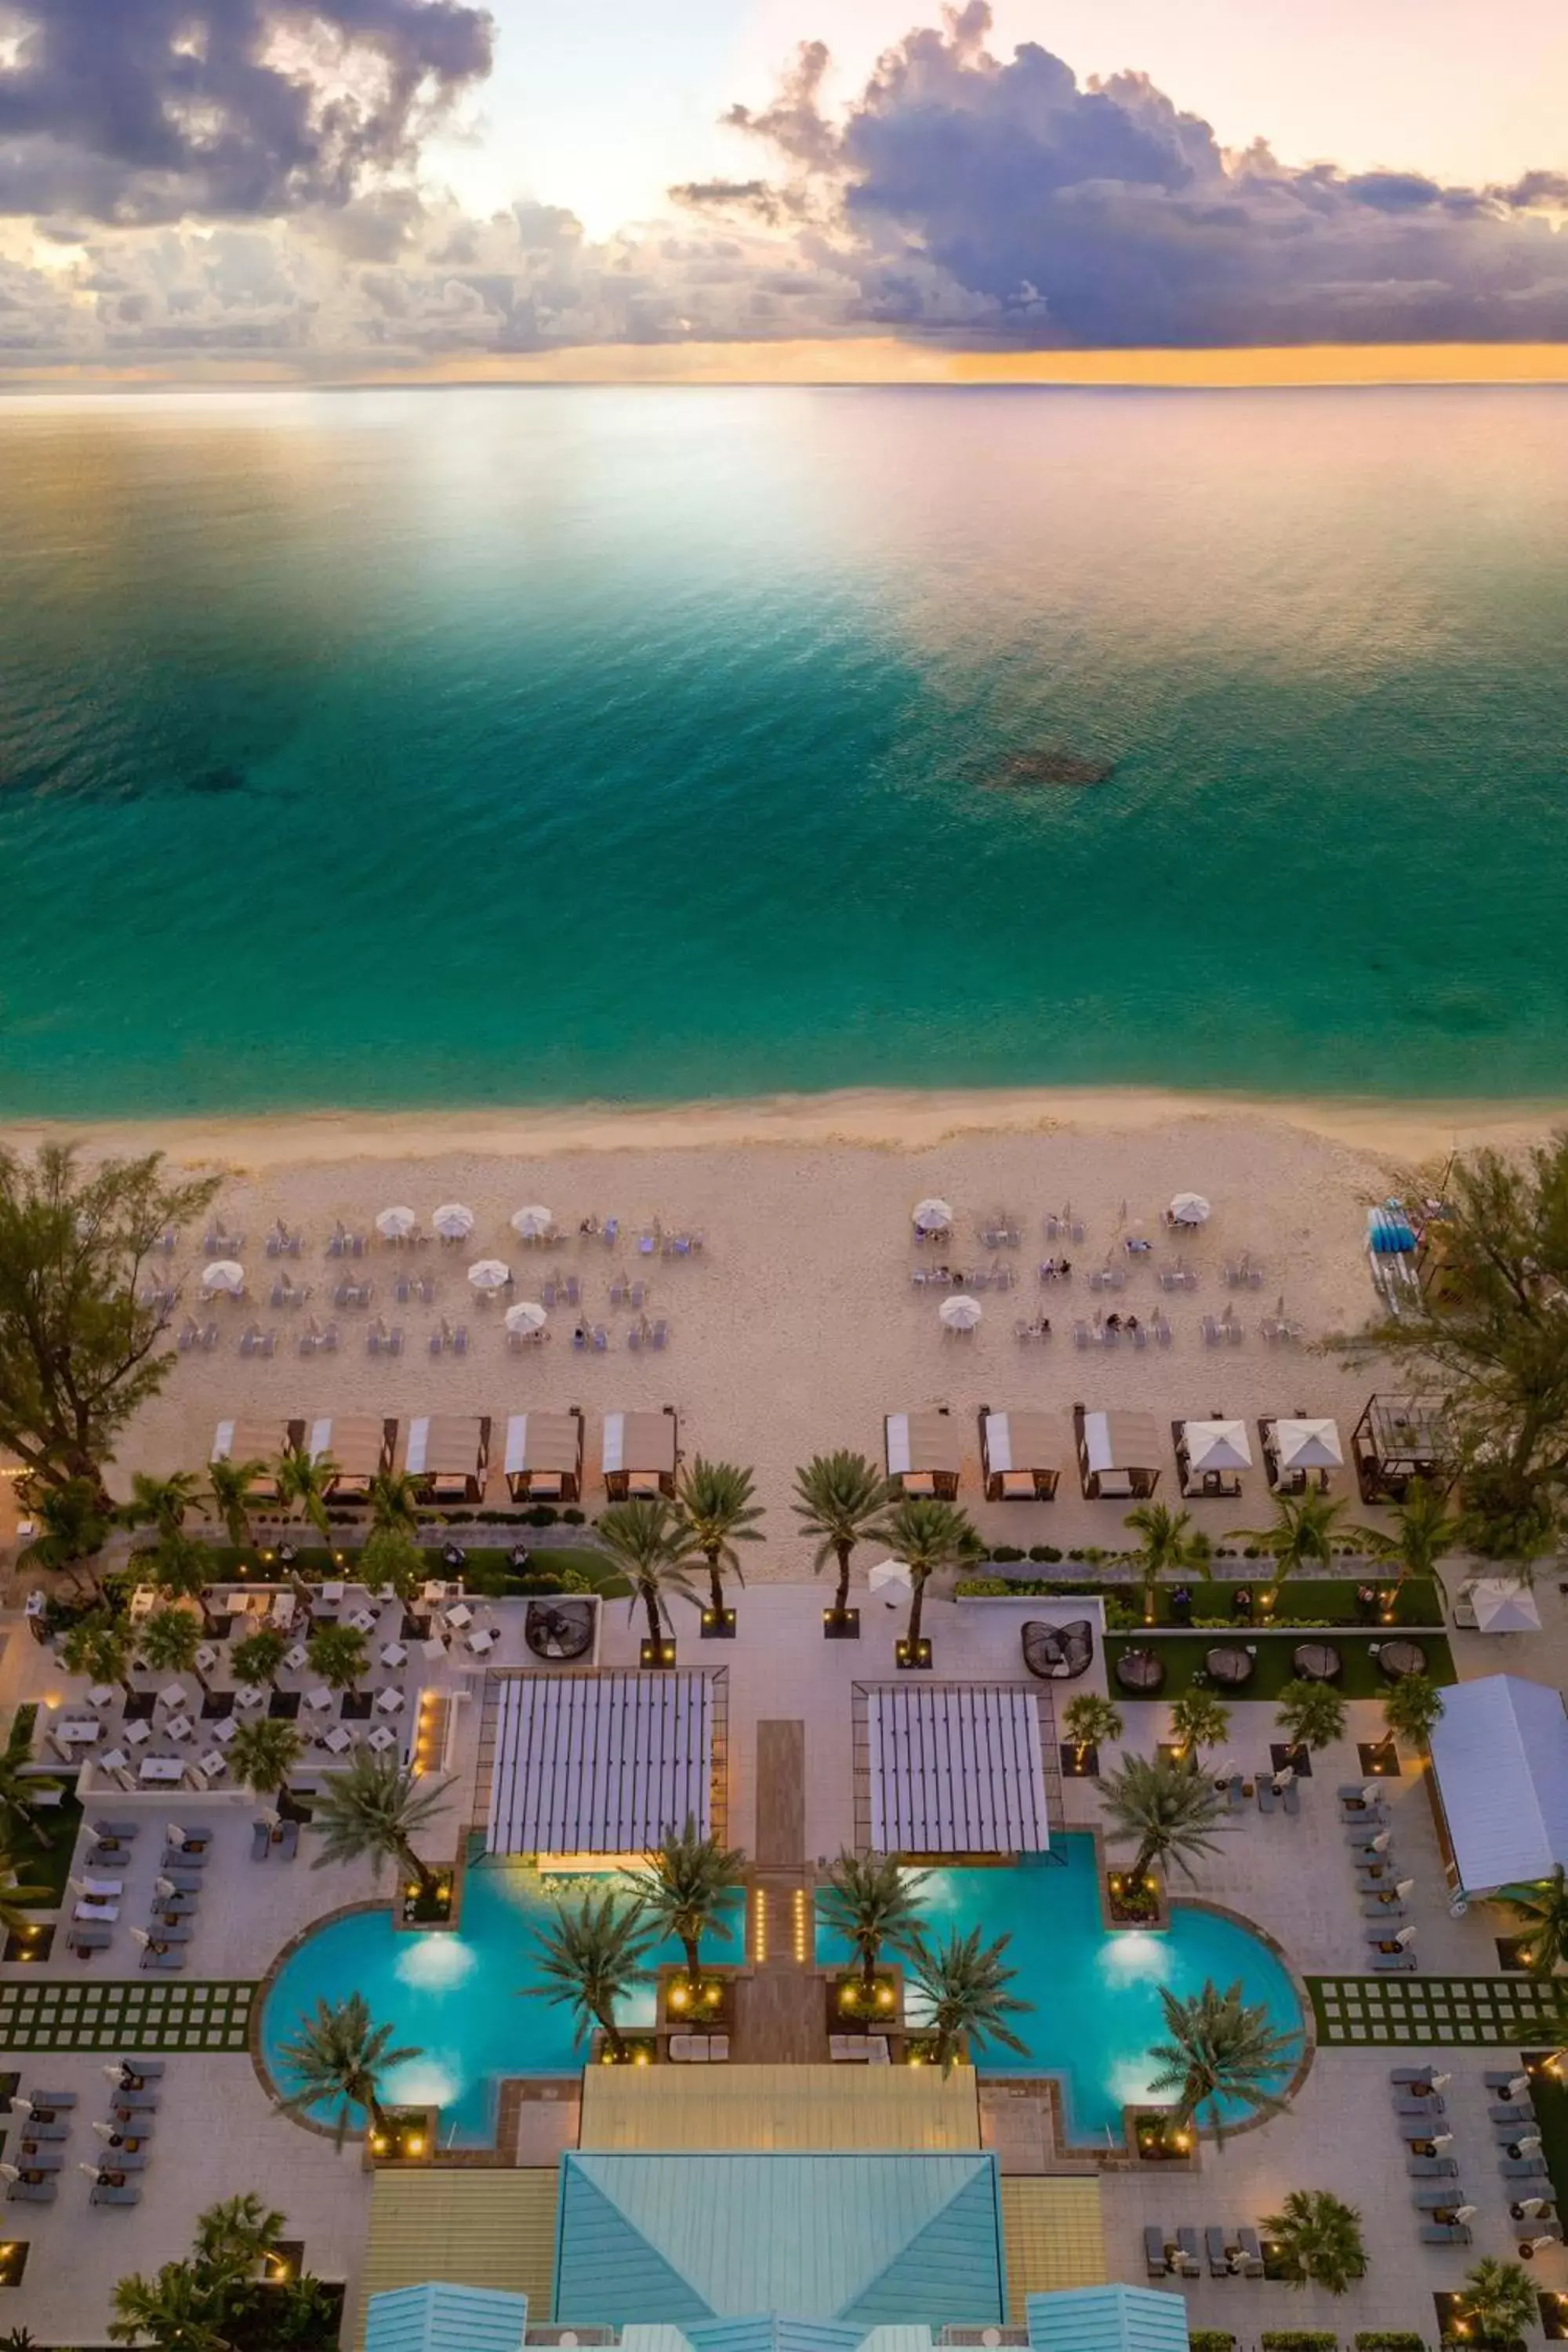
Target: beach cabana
<point>544,1456</point>
<point>923,1454</point>
<point>1397,1439</point>
<point>1295,1449</point>
<point>1500,1774</point>
<point>448,1455</point>
<point>1021,1455</point>
<point>638,1453</point>
<point>1118,1455</point>
<point>360,1444</point>
<point>1210,1456</point>
<point>257,1439</point>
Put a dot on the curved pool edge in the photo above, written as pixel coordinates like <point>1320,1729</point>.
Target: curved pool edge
<point>281,1960</point>
<point>1298,1985</point>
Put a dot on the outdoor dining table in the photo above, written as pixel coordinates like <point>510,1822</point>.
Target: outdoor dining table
<point>103,1695</point>
<point>1230,1665</point>
<point>1397,1659</point>
<point>166,1772</point>
<point>1317,1662</point>
<point>97,1906</point>
<point>381,1739</point>
<point>365,1621</point>
<point>248,1695</point>
<point>394,1655</point>
<point>75,1732</point>
<point>389,1701</point>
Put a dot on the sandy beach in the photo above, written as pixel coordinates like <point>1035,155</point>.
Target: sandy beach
<point>798,1328</point>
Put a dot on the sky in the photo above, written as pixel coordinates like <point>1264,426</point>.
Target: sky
<point>346,189</point>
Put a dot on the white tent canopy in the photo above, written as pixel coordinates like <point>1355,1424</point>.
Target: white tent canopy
<point>1500,1758</point>
<point>1217,1445</point>
<point>1503,1605</point>
<point>1309,1445</point>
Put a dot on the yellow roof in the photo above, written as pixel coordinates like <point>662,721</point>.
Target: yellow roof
<point>1051,2235</point>
<point>484,2226</point>
<point>675,2109</point>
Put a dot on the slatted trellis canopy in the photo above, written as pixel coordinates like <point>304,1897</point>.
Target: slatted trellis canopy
<point>599,1763</point>
<point>956,1770</point>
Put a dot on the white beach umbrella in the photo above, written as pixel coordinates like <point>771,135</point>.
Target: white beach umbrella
<point>1189,1209</point>
<point>1502,1605</point>
<point>395,1225</point>
<point>531,1224</point>
<point>890,1572</point>
<point>932,1216</point>
<point>453,1222</point>
<point>961,1314</point>
<point>490,1273</point>
<point>528,1315</point>
<point>226,1276</point>
<point>1217,1445</point>
<point>1309,1445</point>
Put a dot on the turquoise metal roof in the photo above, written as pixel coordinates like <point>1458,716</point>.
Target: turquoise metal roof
<point>1107,2319</point>
<point>871,2240</point>
<point>436,2317</point>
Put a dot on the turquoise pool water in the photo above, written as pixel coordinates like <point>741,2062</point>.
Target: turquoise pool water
<point>469,2002</point>
<point>1096,1994</point>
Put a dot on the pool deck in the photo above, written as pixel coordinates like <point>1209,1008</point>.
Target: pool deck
<point>792,1804</point>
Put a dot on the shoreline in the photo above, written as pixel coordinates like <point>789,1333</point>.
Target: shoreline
<point>871,1118</point>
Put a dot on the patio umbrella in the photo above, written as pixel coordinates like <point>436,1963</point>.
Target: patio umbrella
<point>1217,1445</point>
<point>490,1273</point>
<point>932,1216</point>
<point>1309,1445</point>
<point>528,1315</point>
<point>453,1222</point>
<point>395,1225</point>
<point>224,1275</point>
<point>890,1572</point>
<point>961,1314</point>
<point>530,1224</point>
<point>1189,1209</point>
<point>1502,1605</point>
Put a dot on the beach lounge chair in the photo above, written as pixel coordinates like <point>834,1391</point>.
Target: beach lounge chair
<point>1522,2168</point>
<point>1407,2104</point>
<point>135,2074</point>
<point>124,2192</point>
<point>1431,2167</point>
<point>117,1833</point>
<point>1215,2247</point>
<point>1445,2234</point>
<point>32,2192</point>
<point>1510,2114</point>
<point>1437,2200</point>
<point>1290,1797</point>
<point>1393,1964</point>
<point>164,1962</point>
<point>1503,2079</point>
<point>1266,1797</point>
<point>1160,1329</point>
<point>45,2128</point>
<point>84,1938</point>
<point>1252,2254</point>
<point>1155,2261</point>
<point>1188,2256</point>
<point>1414,2076</point>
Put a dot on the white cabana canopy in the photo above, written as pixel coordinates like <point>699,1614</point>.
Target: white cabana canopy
<point>1500,1758</point>
<point>1503,1605</point>
<point>1309,1445</point>
<point>1217,1445</point>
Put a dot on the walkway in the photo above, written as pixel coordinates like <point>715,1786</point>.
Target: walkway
<point>138,2015</point>
<point>1426,2013</point>
<point>779,2015</point>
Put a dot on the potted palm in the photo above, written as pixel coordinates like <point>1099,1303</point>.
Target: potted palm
<point>339,2060</point>
<point>1170,1546</point>
<point>1087,1719</point>
<point>869,1902</point>
<point>1166,1811</point>
<point>373,1810</point>
<point>842,1500</point>
<point>590,1959</point>
<point>718,1512</point>
<point>928,1535</point>
<point>1310,1715</point>
<point>650,1545</point>
<point>686,1889</point>
<point>962,1988</point>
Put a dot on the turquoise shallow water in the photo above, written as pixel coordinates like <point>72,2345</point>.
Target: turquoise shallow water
<point>536,746</point>
<point>466,2001</point>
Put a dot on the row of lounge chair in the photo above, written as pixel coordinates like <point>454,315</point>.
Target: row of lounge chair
<point>1421,2112</point>
<point>46,2117</point>
<point>1231,2254</point>
<point>1390,1933</point>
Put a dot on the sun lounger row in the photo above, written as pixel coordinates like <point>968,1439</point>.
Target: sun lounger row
<point>1231,2254</point>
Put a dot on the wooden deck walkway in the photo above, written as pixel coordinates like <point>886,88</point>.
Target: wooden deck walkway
<point>779,2016</point>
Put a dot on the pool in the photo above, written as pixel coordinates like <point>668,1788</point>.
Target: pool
<point>1096,1990</point>
<point>466,2001</point>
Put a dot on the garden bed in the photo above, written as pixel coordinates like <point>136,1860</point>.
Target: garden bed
<point>488,1569</point>
<point>1182,1655</point>
<point>1298,1600</point>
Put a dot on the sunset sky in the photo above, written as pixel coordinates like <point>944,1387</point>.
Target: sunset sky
<point>350,189</point>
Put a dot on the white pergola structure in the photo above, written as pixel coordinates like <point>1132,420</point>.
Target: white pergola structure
<point>955,1769</point>
<point>1500,1759</point>
<point>591,1769</point>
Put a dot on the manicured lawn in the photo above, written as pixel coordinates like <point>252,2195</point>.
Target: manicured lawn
<point>489,1569</point>
<point>1181,1655</point>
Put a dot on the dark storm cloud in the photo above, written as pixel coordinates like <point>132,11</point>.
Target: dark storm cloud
<point>148,110</point>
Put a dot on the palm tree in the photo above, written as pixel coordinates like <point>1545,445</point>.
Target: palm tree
<point>100,1647</point>
<point>646,1540</point>
<point>234,2236</point>
<point>179,1563</point>
<point>229,1485</point>
<point>965,1983</point>
<point>1198,1719</point>
<point>167,1643</point>
<point>871,1900</point>
<point>177,2310</point>
<point>1223,2052</point>
<point>376,1808</point>
<point>928,1535</point>
<point>394,1499</point>
<point>1304,1532</point>
<point>685,1888</point>
<point>1316,2241</point>
<point>1088,1719</point>
<point>261,1755</point>
<point>591,1958</point>
<point>161,1502</point>
<point>1166,1807</point>
<point>1411,1708</point>
<point>716,1505</point>
<point>16,1898</point>
<point>72,1527</point>
<point>1498,2301</point>
<point>1541,1910</point>
<point>1310,1715</point>
<point>21,1789</point>
<point>392,1558</point>
<point>338,1654</point>
<point>1171,1544</point>
<point>1422,1532</point>
<point>842,1501</point>
<point>302,1485</point>
<point>338,2055</point>
<point>257,1660</point>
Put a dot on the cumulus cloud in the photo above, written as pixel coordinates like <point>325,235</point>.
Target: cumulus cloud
<point>150,111</point>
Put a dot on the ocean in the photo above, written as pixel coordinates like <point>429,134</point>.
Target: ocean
<point>383,747</point>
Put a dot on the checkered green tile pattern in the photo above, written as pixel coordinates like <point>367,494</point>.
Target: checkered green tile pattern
<point>135,2015</point>
<point>1426,2013</point>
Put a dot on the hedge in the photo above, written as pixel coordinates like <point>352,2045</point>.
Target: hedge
<point>1210,2339</point>
<point>1299,2339</point>
<point>1390,2339</point>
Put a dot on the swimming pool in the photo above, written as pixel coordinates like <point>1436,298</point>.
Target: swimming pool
<point>468,2001</point>
<point>1096,1990</point>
